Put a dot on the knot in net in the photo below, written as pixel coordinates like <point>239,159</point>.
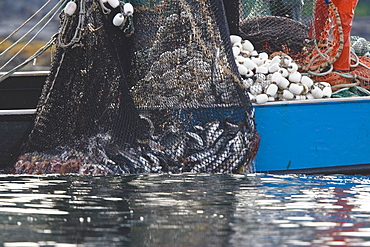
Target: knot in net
<point>158,93</point>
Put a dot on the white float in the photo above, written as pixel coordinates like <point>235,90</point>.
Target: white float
<point>70,8</point>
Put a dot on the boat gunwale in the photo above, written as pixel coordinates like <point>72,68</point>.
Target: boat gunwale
<point>357,99</point>
<point>27,73</point>
<point>17,112</point>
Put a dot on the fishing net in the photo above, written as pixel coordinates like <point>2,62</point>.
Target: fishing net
<point>308,31</point>
<point>360,46</point>
<point>156,92</point>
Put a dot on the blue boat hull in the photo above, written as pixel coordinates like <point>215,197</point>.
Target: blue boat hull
<point>320,136</point>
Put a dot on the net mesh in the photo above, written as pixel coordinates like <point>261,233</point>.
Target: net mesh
<point>158,93</point>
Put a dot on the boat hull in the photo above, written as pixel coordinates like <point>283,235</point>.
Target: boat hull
<point>15,125</point>
<point>319,136</point>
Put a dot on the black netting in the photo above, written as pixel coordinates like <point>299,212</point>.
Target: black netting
<point>276,25</point>
<point>160,93</point>
<point>269,36</point>
<point>292,26</point>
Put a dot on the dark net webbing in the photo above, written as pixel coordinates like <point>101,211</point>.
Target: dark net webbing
<point>275,25</point>
<point>82,96</point>
<point>159,94</point>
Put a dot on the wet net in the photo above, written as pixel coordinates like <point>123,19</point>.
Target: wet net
<point>156,91</point>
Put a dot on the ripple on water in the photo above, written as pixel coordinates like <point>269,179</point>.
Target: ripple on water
<point>190,210</point>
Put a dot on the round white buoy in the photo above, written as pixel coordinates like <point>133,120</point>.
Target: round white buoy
<point>263,56</point>
<point>295,77</point>
<point>262,98</point>
<point>245,53</point>
<point>249,73</point>
<point>276,77</point>
<point>287,60</point>
<point>276,59</point>
<point>242,70</point>
<point>317,93</point>
<point>118,19</point>
<point>239,59</point>
<point>249,64</point>
<point>287,94</point>
<point>262,70</point>
<point>272,90</point>
<point>305,80</point>
<point>113,3</point>
<point>257,61</point>
<point>284,83</point>
<point>70,8</point>
<point>128,9</point>
<point>237,44</point>
<point>293,67</point>
<point>283,72</point>
<point>326,92</point>
<point>236,51</point>
<point>309,96</point>
<point>274,67</point>
<point>295,88</point>
<point>247,45</point>
<point>254,53</point>
<point>235,39</point>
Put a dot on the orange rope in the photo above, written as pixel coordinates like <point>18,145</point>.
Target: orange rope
<point>328,45</point>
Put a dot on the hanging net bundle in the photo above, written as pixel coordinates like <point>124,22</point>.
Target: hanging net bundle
<point>153,91</point>
<point>308,31</point>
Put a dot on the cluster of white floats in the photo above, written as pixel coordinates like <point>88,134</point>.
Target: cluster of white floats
<point>271,78</point>
<point>118,20</point>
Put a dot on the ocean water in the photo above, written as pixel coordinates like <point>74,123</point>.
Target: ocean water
<point>185,210</point>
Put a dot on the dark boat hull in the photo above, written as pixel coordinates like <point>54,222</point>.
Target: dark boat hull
<point>21,90</point>
<point>15,126</point>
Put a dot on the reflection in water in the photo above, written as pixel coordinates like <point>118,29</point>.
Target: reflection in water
<point>185,210</point>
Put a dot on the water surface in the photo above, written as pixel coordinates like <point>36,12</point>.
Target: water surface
<point>185,210</point>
